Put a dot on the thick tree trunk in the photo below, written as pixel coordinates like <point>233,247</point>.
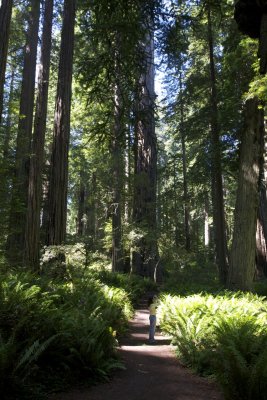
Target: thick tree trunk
<point>16,239</point>
<point>261,234</point>
<point>32,237</point>
<point>261,252</point>
<point>58,183</point>
<point>5,19</point>
<point>242,257</point>
<point>216,170</point>
<point>145,258</point>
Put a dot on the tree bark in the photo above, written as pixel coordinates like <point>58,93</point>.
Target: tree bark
<point>145,258</point>
<point>206,222</point>
<point>261,234</point>
<point>242,257</point>
<point>91,211</point>
<point>80,228</point>
<point>261,252</point>
<point>16,238</point>
<point>185,184</point>
<point>116,151</point>
<point>58,185</point>
<point>5,19</point>
<point>216,169</point>
<point>32,236</point>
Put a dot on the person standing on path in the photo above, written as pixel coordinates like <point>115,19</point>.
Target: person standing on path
<point>152,305</point>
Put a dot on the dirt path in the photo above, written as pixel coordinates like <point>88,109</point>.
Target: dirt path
<point>152,372</point>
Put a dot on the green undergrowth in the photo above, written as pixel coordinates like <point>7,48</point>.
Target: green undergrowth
<point>190,273</point>
<point>58,329</point>
<point>221,335</point>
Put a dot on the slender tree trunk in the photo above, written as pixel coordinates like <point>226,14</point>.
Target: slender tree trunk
<point>206,223</point>
<point>16,239</point>
<point>243,251</point>
<point>6,148</point>
<point>5,19</point>
<point>6,162</point>
<point>185,185</point>
<point>217,186</point>
<point>176,238</point>
<point>82,197</point>
<point>117,261</point>
<point>127,186</point>
<point>32,237</point>
<point>91,212</point>
<point>145,259</point>
<point>57,195</point>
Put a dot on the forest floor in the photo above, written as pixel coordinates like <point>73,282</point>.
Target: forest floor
<point>151,371</point>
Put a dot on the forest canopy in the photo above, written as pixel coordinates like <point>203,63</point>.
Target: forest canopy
<point>91,153</point>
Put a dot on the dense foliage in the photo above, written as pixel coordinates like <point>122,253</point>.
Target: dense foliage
<point>59,331</point>
<point>131,135</point>
<point>221,335</point>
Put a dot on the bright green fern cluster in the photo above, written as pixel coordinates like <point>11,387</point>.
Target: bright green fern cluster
<point>223,335</point>
<point>56,332</point>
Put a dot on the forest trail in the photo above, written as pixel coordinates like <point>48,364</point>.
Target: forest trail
<point>152,371</point>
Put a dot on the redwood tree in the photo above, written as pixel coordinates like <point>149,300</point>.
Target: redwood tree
<point>243,251</point>
<point>216,170</point>
<point>58,183</point>
<point>145,259</point>
<point>32,236</point>
<point>15,242</point>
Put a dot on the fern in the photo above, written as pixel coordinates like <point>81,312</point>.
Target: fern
<point>30,355</point>
<point>237,357</point>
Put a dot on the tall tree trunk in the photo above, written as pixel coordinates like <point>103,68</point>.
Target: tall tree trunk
<point>15,242</point>
<point>145,259</point>
<point>176,231</point>
<point>32,237</point>
<point>206,222</point>
<point>185,185</point>
<point>127,182</point>
<point>6,148</point>
<point>6,162</point>
<point>261,234</point>
<point>5,19</point>
<point>242,257</point>
<point>261,251</point>
<point>117,261</point>
<point>216,169</point>
<point>91,212</point>
<point>80,228</point>
<point>58,185</point>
